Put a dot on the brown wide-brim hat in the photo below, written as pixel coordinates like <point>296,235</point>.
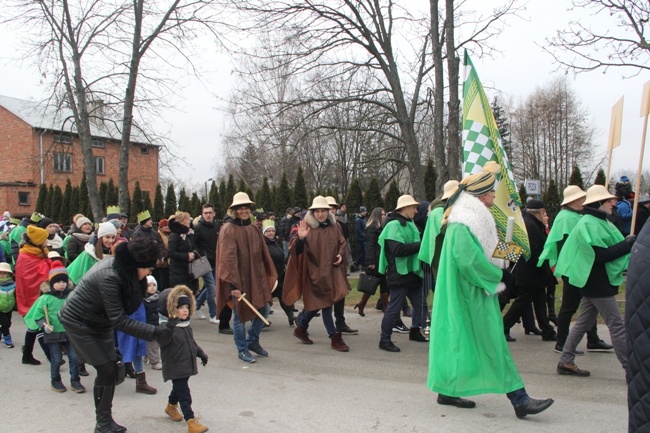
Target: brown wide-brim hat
<point>598,193</point>
<point>404,201</point>
<point>319,202</point>
<point>240,199</point>
<point>572,193</point>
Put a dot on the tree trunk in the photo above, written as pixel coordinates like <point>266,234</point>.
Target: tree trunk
<point>454,148</point>
<point>439,150</point>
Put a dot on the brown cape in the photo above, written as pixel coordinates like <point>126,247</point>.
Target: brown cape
<point>312,274</point>
<point>243,262</point>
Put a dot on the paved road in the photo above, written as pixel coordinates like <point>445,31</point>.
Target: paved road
<point>303,388</point>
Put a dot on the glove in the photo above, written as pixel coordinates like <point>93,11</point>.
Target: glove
<point>630,239</point>
<point>171,323</point>
<point>204,359</point>
<point>507,278</point>
<point>163,334</point>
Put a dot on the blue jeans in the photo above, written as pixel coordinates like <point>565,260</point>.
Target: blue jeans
<point>208,293</point>
<point>518,397</point>
<point>254,330</point>
<point>326,314</point>
<point>56,355</point>
<point>395,304</point>
<point>285,248</point>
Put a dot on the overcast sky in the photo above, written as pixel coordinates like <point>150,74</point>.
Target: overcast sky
<point>196,123</point>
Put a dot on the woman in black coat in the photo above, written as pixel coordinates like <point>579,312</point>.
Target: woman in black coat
<point>276,251</point>
<point>181,251</point>
<point>637,319</point>
<point>101,303</point>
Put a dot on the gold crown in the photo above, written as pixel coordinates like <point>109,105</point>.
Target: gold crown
<point>144,215</point>
<point>113,210</point>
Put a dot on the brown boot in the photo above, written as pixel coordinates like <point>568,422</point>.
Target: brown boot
<point>193,426</point>
<point>173,412</point>
<point>361,305</point>
<point>338,344</point>
<point>384,301</point>
<point>302,335</point>
<point>141,384</point>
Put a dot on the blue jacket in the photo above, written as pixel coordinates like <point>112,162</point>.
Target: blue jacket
<point>360,229</point>
<point>624,209</point>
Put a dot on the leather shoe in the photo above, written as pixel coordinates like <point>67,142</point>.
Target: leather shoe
<point>227,331</point>
<point>388,346</point>
<point>601,346</point>
<point>577,352</point>
<point>571,370</point>
<point>534,331</point>
<point>345,329</point>
<point>456,401</point>
<point>533,407</point>
<point>416,335</point>
<point>510,339</point>
<point>302,335</point>
<point>549,337</point>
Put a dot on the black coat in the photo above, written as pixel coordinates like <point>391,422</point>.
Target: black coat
<point>205,237</point>
<point>276,251</point>
<point>101,303</point>
<point>151,309</point>
<point>637,319</point>
<point>178,250</point>
<point>372,245</point>
<point>526,272</point>
<point>179,356</point>
<point>76,245</point>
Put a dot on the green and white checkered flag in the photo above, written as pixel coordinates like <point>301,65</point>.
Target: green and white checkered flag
<point>482,144</point>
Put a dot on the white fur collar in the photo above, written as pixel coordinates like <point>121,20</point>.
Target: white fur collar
<point>471,212</point>
<point>312,222</point>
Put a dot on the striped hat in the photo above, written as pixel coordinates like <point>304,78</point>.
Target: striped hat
<point>476,184</point>
<point>58,273</point>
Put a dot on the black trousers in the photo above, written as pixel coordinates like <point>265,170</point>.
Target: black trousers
<point>571,298</point>
<point>224,317</point>
<point>181,394</point>
<point>5,322</point>
<point>527,295</point>
<point>339,308</point>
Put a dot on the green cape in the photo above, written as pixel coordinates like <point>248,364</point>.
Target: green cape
<point>431,232</point>
<point>80,266</point>
<point>395,231</point>
<point>564,224</point>
<point>467,353</point>
<point>577,255</point>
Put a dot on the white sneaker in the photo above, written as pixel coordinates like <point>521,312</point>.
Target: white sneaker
<point>214,320</point>
<point>200,315</point>
<point>156,366</point>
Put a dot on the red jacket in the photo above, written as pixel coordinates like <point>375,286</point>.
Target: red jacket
<point>31,271</point>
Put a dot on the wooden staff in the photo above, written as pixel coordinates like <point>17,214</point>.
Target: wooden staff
<point>47,317</point>
<point>645,110</point>
<point>243,298</point>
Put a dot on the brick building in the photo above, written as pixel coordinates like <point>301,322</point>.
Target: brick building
<point>40,146</point>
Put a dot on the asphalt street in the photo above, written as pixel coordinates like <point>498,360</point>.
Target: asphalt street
<point>301,388</point>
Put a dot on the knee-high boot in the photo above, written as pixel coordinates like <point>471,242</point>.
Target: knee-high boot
<point>103,396</point>
<point>28,349</point>
<point>361,305</point>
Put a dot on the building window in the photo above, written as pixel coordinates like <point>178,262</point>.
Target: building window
<point>99,164</point>
<point>144,149</point>
<point>23,198</point>
<point>63,139</point>
<point>63,162</point>
<point>98,143</point>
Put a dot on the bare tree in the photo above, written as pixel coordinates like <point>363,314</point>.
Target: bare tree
<point>620,41</point>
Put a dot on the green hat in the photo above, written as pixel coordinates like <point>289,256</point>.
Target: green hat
<point>143,216</point>
<point>36,217</point>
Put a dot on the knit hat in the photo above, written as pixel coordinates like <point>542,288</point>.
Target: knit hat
<point>81,221</point>
<point>535,205</point>
<point>297,210</point>
<point>6,215</point>
<point>183,300</point>
<point>362,209</point>
<point>163,222</point>
<point>106,229</point>
<point>58,273</point>
<point>37,235</point>
<point>44,222</point>
<point>151,280</point>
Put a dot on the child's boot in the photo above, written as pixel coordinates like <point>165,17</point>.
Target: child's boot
<point>193,426</point>
<point>8,343</point>
<point>141,384</point>
<point>173,412</point>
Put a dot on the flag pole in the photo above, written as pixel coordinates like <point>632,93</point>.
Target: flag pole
<point>645,110</point>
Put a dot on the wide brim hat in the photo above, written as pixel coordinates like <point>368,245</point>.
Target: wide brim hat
<point>319,202</point>
<point>404,201</point>
<point>572,193</point>
<point>597,193</point>
<point>240,199</point>
<point>332,201</point>
<point>6,267</point>
<point>449,188</point>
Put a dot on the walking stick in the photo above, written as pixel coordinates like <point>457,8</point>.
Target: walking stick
<point>243,298</point>
<point>47,317</point>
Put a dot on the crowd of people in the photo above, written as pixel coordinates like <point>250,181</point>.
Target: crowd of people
<point>116,297</point>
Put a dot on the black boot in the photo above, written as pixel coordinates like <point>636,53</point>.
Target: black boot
<point>28,349</point>
<point>416,335</point>
<point>130,372</point>
<point>103,396</point>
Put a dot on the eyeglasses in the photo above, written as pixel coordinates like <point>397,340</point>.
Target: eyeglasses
<point>208,213</point>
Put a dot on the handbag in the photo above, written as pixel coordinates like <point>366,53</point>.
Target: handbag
<point>368,284</point>
<point>199,267</point>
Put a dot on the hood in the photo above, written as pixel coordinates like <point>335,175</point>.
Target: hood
<point>169,298</point>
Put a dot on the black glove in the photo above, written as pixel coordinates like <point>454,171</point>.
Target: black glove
<point>204,359</point>
<point>507,278</point>
<point>171,323</point>
<point>163,334</point>
<point>630,239</point>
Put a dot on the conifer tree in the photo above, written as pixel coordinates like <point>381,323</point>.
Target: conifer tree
<point>146,202</point>
<point>184,204</point>
<point>84,200</point>
<point>231,190</point>
<point>523,194</point>
<point>103,188</point>
<point>57,203</point>
<point>372,198</point>
<point>263,196</point>
<point>353,200</point>
<point>136,203</point>
<point>576,178</point>
<point>299,197</point>
<point>195,205</point>
<point>158,212</point>
<point>215,199</point>
<point>223,195</point>
<point>601,179</point>
<point>552,200</point>
<point>66,212</point>
<point>170,201</point>
<point>49,199</point>
<point>242,186</point>
<point>392,195</point>
<point>75,202</point>
<point>111,194</point>
<point>429,182</point>
<point>283,197</point>
<point>42,197</point>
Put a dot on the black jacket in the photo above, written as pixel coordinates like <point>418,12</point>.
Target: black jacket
<point>526,272</point>
<point>179,356</point>
<point>277,255</point>
<point>205,237</point>
<point>637,319</point>
<point>103,299</point>
<point>398,249</point>
<point>76,245</point>
<point>372,245</point>
<point>148,233</point>
<point>151,309</point>
<point>598,285</point>
<point>178,252</point>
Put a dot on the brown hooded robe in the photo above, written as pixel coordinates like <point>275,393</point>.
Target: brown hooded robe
<point>312,275</point>
<point>244,263</point>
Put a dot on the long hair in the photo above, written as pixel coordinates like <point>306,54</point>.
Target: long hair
<point>375,217</point>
